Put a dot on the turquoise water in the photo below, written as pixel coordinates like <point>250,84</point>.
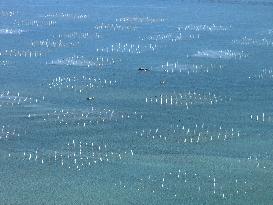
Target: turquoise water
<point>80,124</point>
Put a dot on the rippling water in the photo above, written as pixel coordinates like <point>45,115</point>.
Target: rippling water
<point>148,102</point>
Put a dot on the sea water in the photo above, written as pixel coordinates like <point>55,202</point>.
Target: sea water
<point>80,123</point>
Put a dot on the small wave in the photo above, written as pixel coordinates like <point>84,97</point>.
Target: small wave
<point>255,42</point>
<point>84,62</point>
<point>186,68</point>
<point>209,28</point>
<point>66,15</point>
<point>145,20</point>
<point>21,53</point>
<point>173,37</point>
<point>114,27</point>
<point>5,63</point>
<point>11,31</point>
<point>128,48</point>
<point>53,44</point>
<point>7,13</point>
<point>35,23</point>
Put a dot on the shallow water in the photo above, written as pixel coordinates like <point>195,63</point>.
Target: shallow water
<point>80,124</point>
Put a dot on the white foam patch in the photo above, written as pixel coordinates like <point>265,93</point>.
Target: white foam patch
<point>221,54</point>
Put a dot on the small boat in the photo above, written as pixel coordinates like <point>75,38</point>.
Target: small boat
<point>143,69</point>
<point>90,98</point>
<point>162,82</point>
